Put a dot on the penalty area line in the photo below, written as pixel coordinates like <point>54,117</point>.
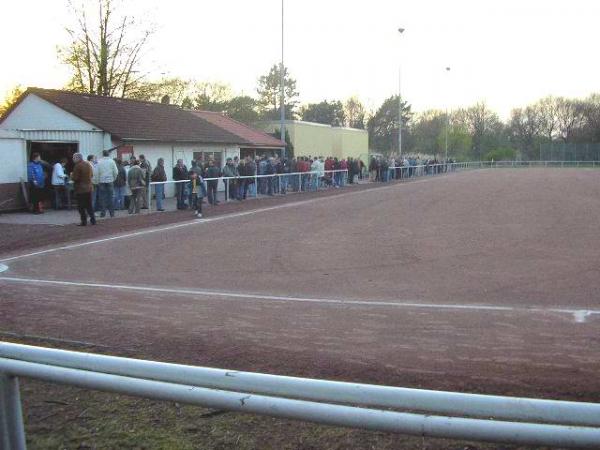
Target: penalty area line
<point>579,315</point>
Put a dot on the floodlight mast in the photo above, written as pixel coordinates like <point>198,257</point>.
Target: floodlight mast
<point>447,117</point>
<point>400,30</point>
<point>282,92</point>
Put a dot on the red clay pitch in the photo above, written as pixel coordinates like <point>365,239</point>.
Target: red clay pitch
<point>483,281</point>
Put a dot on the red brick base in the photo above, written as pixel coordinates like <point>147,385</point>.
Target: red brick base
<point>11,197</point>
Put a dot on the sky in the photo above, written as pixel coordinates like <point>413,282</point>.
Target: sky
<point>507,53</point>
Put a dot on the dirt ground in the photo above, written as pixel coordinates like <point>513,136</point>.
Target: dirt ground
<point>479,282</point>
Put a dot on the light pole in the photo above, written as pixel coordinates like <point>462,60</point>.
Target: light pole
<point>447,118</point>
<point>281,91</point>
<point>400,30</point>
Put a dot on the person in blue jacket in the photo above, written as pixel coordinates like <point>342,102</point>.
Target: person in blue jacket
<point>37,181</point>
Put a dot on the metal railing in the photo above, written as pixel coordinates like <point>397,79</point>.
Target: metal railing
<point>294,182</point>
<point>372,407</point>
<point>562,164</point>
<point>316,180</point>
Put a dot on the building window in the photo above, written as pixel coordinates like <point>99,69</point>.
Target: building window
<point>204,157</point>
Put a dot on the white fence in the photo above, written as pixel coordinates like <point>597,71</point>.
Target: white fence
<point>372,407</point>
<point>299,182</point>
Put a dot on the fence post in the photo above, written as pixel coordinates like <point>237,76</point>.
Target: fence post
<point>255,186</point>
<point>11,414</point>
<point>149,198</point>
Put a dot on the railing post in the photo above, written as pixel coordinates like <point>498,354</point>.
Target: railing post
<point>149,198</point>
<point>11,415</point>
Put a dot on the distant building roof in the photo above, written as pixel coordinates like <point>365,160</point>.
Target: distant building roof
<point>138,120</point>
<point>256,137</point>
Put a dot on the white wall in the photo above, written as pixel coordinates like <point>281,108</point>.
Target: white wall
<point>172,152</point>
<point>13,160</point>
<point>35,119</point>
<point>34,113</point>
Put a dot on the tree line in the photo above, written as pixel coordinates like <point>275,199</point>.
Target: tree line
<point>106,51</point>
<point>477,132</point>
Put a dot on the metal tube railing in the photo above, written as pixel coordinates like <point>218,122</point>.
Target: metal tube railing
<point>498,407</point>
<point>323,413</point>
<point>12,431</point>
<point>96,372</point>
<point>305,180</point>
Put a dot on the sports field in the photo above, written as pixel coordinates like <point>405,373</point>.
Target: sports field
<point>484,281</point>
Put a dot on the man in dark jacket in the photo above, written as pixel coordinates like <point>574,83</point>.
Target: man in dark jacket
<point>250,171</point>
<point>231,185</point>
<point>180,173</point>
<point>119,185</point>
<point>136,180</point>
<point>159,176</point>
<point>212,172</point>
<point>82,183</point>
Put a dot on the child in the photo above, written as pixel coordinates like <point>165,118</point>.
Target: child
<point>196,188</point>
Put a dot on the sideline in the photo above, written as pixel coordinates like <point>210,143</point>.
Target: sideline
<point>579,315</point>
<point>215,219</point>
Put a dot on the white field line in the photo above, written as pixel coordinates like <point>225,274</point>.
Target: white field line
<point>579,315</point>
<point>210,220</point>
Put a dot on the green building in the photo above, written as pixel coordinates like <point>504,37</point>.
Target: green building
<point>315,139</point>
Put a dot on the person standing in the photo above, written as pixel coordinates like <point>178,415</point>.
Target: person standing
<point>107,174</point>
<point>250,185</point>
<point>231,171</point>
<point>159,176</point>
<point>119,184</point>
<point>93,161</point>
<point>147,171</point>
<point>58,183</point>
<point>83,187</point>
<point>36,178</point>
<point>137,184</point>
<point>196,189</point>
<point>212,172</point>
<point>180,173</point>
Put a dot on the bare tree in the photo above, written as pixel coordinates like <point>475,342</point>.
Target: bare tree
<point>525,128</point>
<point>482,124</point>
<point>570,117</point>
<point>354,113</point>
<point>548,112</point>
<point>591,129</point>
<point>105,51</point>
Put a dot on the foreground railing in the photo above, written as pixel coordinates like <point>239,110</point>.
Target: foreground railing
<point>371,407</point>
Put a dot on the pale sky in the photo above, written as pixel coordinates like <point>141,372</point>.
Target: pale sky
<point>505,52</point>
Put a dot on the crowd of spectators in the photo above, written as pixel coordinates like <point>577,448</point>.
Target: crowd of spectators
<point>263,175</point>
<point>394,167</point>
<point>119,185</point>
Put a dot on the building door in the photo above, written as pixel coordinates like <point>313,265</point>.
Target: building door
<point>53,152</point>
